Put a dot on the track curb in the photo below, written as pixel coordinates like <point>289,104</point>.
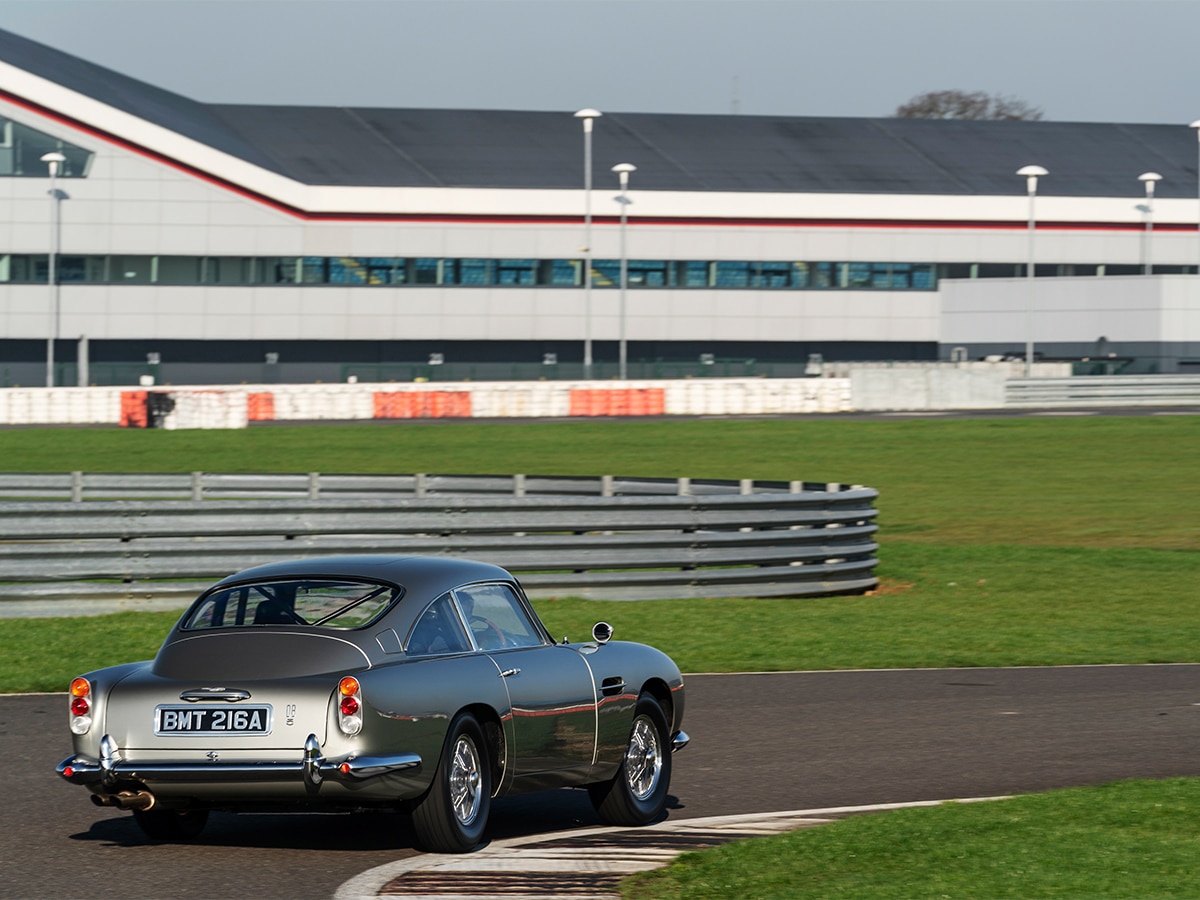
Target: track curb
<point>584,864</point>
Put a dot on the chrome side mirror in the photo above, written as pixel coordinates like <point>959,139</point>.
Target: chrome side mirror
<point>602,632</point>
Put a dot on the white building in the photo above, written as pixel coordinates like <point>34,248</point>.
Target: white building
<point>241,243</point>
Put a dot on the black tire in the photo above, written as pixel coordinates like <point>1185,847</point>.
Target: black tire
<point>637,794</point>
<point>171,824</point>
<point>452,816</point>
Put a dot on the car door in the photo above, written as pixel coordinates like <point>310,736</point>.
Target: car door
<point>550,688</point>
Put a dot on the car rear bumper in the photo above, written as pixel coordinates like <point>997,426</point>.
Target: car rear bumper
<point>311,767</point>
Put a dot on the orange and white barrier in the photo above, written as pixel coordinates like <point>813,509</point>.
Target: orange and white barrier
<point>224,406</point>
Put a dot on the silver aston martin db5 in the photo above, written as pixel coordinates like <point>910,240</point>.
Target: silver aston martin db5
<point>421,684</point>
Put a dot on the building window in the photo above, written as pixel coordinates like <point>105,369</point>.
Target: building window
<point>694,273</point>
<point>732,274</point>
<point>473,272</point>
<point>425,270</point>
<point>385,270</point>
<point>516,271</point>
<point>132,269</point>
<point>22,148</point>
<point>183,269</point>
<point>561,272</point>
<point>647,273</point>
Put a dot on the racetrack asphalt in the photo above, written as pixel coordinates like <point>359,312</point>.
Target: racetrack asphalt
<point>761,743</point>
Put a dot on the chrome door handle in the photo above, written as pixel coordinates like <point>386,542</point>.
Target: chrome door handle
<point>508,673</point>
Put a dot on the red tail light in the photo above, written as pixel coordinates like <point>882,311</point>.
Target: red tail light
<point>81,706</point>
<point>349,711</point>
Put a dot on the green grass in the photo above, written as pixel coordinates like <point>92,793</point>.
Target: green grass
<point>1134,839</point>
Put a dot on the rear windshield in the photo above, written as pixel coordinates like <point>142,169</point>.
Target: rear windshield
<point>329,603</point>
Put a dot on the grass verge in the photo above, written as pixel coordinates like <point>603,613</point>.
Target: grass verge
<point>1134,839</point>
<point>939,607</point>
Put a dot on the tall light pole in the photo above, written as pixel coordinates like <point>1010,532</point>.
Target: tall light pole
<point>587,116</point>
<point>1196,125</point>
<point>1031,175</point>
<point>53,160</point>
<point>623,170</point>
<point>1148,179</point>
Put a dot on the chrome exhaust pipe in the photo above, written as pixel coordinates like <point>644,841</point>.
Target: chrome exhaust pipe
<point>127,800</point>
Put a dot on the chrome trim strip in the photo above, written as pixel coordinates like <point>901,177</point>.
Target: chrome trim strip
<point>214,694</point>
<point>312,768</point>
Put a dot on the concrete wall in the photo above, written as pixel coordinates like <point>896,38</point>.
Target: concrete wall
<point>1154,319</point>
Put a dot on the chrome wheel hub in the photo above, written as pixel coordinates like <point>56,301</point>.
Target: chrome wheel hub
<point>465,781</point>
<point>643,758</point>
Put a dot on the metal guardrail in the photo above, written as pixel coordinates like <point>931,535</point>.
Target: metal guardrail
<point>81,486</point>
<point>606,537</point>
<point>1103,390</point>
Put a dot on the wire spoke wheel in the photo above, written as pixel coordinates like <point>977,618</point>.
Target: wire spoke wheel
<point>643,758</point>
<point>465,796</point>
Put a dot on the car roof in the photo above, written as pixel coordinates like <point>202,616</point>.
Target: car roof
<point>420,576</point>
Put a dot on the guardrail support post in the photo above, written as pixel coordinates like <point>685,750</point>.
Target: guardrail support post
<point>606,485</point>
<point>518,485</point>
<point>419,484</point>
<point>314,485</point>
<point>197,485</point>
<point>76,487</point>
<point>685,487</point>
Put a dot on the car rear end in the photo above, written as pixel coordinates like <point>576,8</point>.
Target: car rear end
<point>212,723</point>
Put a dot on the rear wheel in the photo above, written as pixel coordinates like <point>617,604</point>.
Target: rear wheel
<point>637,795</point>
<point>452,816</point>
<point>171,824</point>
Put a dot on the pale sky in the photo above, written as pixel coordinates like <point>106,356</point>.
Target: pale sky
<point>1079,60</point>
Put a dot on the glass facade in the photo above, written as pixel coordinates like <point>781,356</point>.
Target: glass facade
<point>469,272</point>
<point>643,274</point>
<point>22,148</point>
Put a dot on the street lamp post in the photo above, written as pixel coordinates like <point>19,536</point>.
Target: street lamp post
<point>53,160</point>
<point>587,116</point>
<point>623,170</point>
<point>1148,179</point>
<point>1196,125</point>
<point>1031,175</point>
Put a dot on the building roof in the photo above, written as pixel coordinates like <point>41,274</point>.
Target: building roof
<point>367,147</point>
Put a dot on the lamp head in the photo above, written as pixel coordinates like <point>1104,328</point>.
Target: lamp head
<point>623,170</point>
<point>588,115</point>
<point>53,159</point>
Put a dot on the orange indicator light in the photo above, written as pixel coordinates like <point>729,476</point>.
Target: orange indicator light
<point>348,686</point>
<point>80,687</point>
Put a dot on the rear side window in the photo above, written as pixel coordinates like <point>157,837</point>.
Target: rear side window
<point>439,630</point>
<point>328,603</point>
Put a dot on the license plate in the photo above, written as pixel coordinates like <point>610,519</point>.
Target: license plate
<point>212,720</point>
